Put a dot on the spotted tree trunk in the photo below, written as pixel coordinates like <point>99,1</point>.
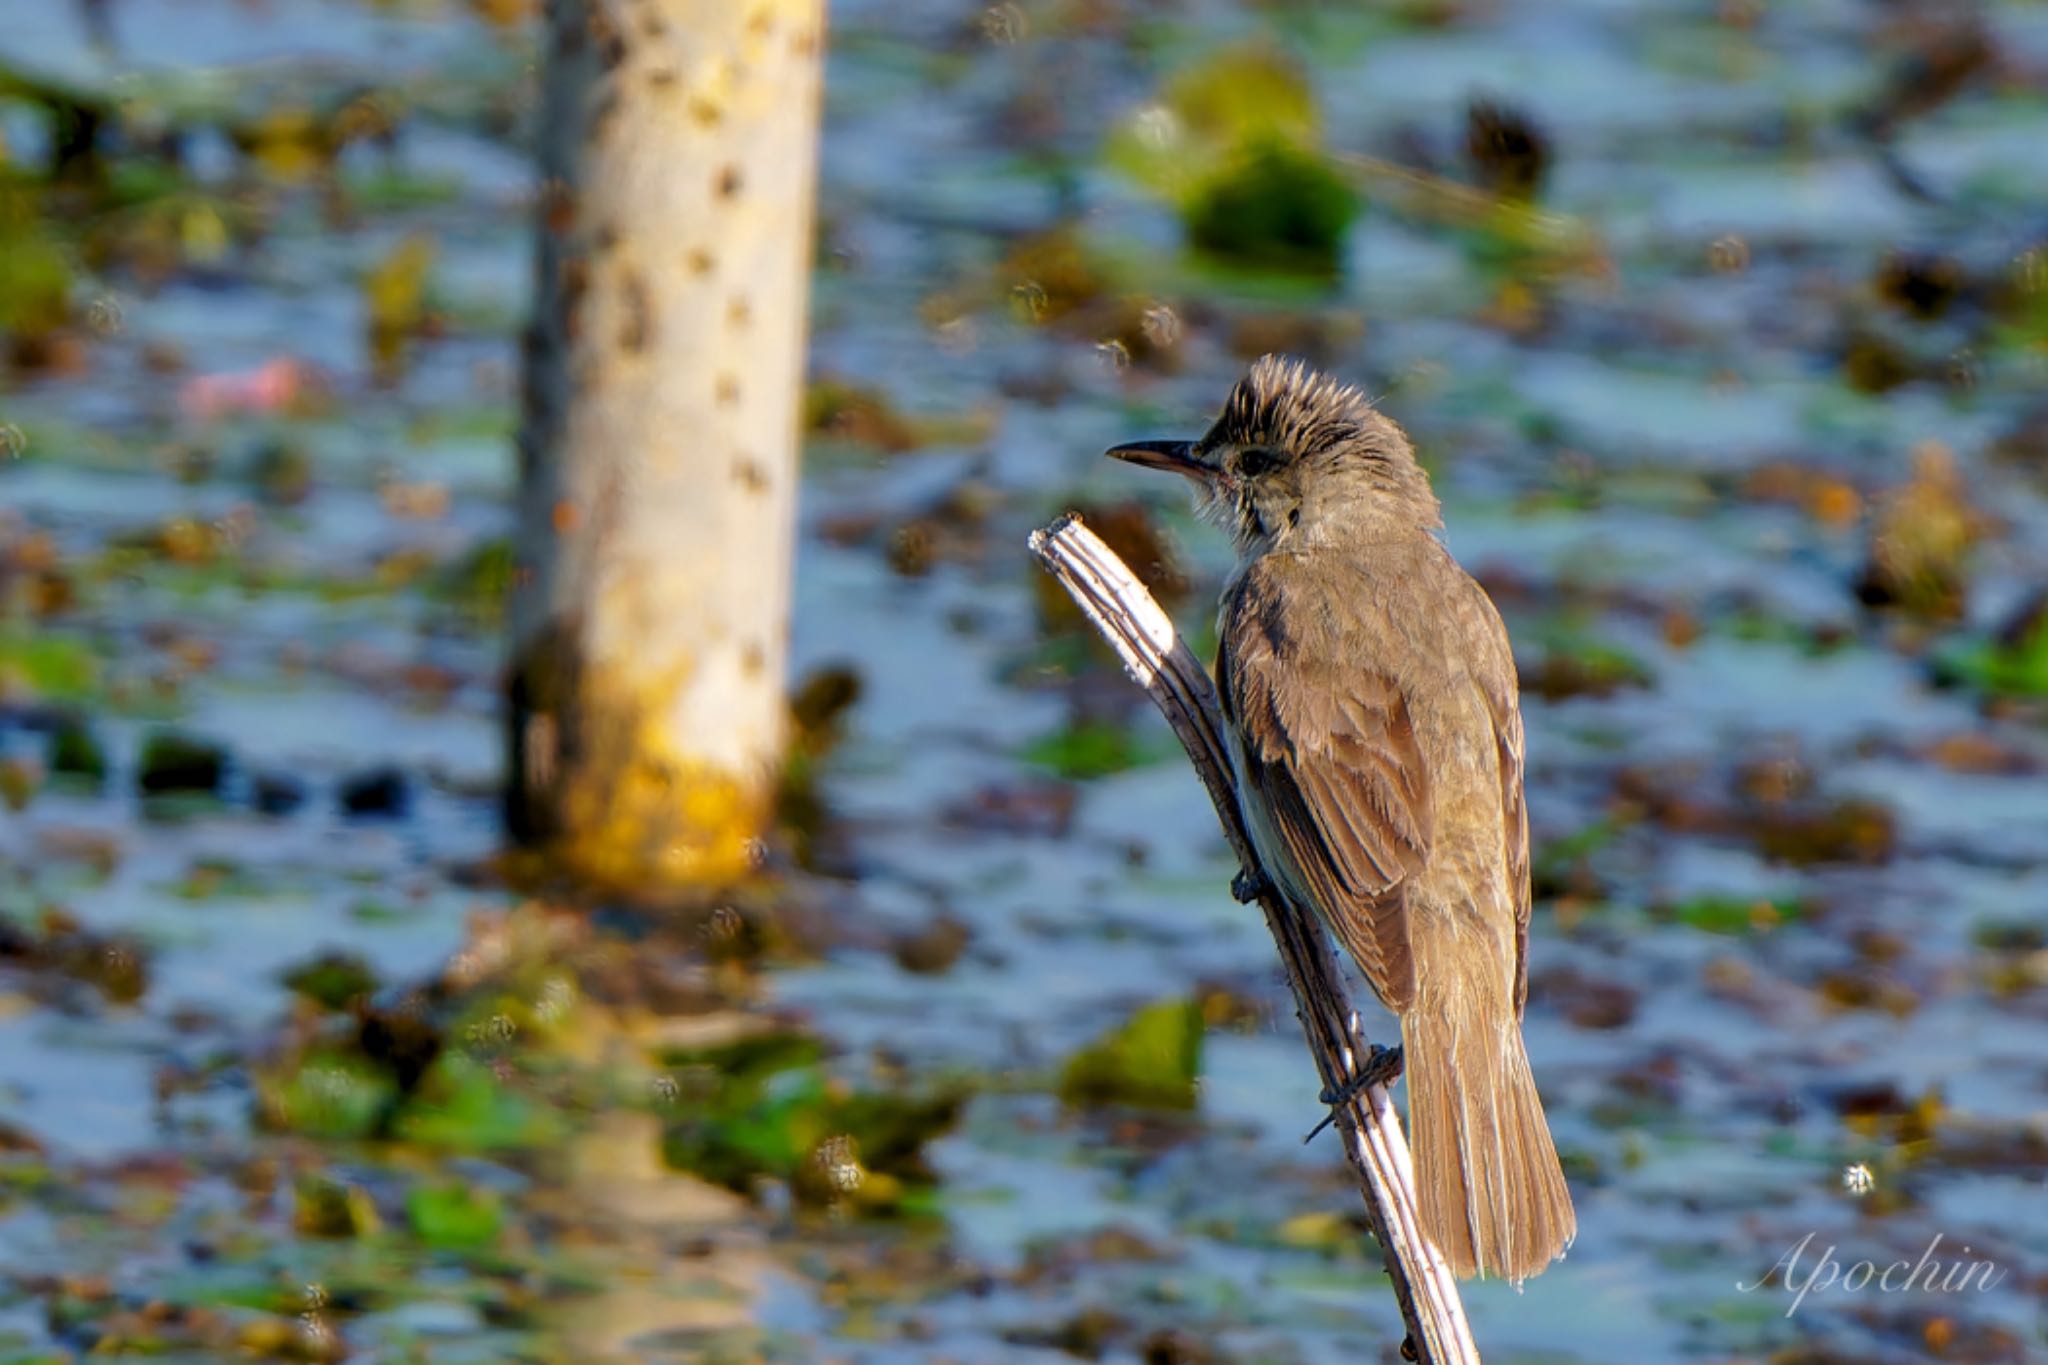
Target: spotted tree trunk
<point>658,447</point>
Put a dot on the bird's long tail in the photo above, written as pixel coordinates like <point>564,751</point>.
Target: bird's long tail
<point>1493,1196</point>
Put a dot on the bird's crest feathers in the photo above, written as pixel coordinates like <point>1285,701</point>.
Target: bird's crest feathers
<point>1293,410</point>
<point>1289,405</point>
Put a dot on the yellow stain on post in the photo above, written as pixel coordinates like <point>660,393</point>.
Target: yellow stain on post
<point>629,809</point>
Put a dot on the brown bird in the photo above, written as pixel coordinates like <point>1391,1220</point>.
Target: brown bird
<point>1371,699</point>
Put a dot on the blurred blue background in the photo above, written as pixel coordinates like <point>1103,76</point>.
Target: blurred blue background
<point>1723,329</point>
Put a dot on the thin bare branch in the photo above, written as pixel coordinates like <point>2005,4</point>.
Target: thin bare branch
<point>1119,607</point>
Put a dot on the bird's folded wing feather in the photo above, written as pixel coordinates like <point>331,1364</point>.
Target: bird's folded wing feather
<point>1506,710</point>
<point>1332,751</point>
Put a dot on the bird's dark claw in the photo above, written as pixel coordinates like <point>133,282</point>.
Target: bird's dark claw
<point>1383,1067</point>
<point>1249,886</point>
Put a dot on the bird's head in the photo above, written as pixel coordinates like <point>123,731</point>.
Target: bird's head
<point>1297,458</point>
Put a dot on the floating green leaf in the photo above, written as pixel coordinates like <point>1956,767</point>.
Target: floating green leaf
<point>2014,665</point>
<point>455,1217</point>
<point>35,275</point>
<point>1275,207</point>
<point>1577,663</point>
<point>326,1094</point>
<point>1091,749</point>
<point>1736,914</point>
<point>46,665</point>
<point>463,1106</point>
<point>479,583</point>
<point>332,980</point>
<point>1238,97</point>
<point>1234,141</point>
<point>765,1106</point>
<point>1149,1062</point>
<point>75,752</point>
<point>323,1207</point>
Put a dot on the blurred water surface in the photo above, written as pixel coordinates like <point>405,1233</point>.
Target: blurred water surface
<point>1793,895</point>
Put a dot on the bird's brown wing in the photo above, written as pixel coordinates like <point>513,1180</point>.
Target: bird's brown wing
<point>1507,731</point>
<point>1499,686</point>
<point>1332,751</point>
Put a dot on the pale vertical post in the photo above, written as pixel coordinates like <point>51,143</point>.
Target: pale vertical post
<point>659,440</point>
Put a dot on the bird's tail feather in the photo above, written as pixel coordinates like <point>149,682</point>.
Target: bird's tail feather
<point>1493,1196</point>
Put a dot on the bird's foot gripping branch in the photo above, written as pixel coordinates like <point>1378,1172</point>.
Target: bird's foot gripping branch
<point>1382,1068</point>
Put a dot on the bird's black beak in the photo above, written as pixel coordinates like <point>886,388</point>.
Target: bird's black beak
<point>1176,457</point>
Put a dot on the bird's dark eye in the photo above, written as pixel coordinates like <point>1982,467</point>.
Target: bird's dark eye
<point>1252,463</point>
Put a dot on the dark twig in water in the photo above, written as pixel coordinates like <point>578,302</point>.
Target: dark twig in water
<point>1160,662</point>
<point>1904,178</point>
